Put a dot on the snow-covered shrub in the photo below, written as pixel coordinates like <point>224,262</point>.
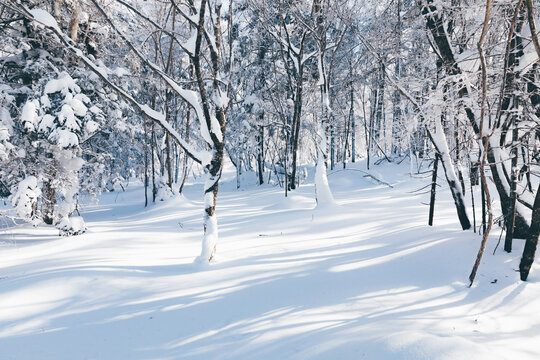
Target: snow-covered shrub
<point>74,225</point>
<point>6,123</point>
<point>163,190</point>
<point>58,120</point>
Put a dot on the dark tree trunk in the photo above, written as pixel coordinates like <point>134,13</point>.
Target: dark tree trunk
<point>152,145</point>
<point>521,228</point>
<point>433,189</point>
<point>396,104</point>
<point>379,117</point>
<point>48,201</point>
<point>260,155</point>
<point>511,216</point>
<point>332,146</point>
<point>353,126</point>
<point>296,124</point>
<point>145,163</point>
<point>168,161</point>
<point>532,241</point>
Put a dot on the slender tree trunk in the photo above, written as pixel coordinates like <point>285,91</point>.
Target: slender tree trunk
<point>145,163</point>
<point>74,21</point>
<point>344,156</point>
<point>332,147</point>
<point>396,104</point>
<point>485,140</point>
<point>473,208</point>
<point>168,161</point>
<point>286,160</point>
<point>260,154</point>
<point>57,9</point>
<point>484,219</point>
<point>152,146</point>
<point>433,189</point>
<point>296,125</point>
<point>372,121</point>
<point>511,216</point>
<point>353,126</point>
<point>366,130</point>
<point>380,121</point>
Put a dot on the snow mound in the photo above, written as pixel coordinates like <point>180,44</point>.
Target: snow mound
<point>71,226</point>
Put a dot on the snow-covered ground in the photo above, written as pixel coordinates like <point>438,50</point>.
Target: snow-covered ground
<point>367,279</point>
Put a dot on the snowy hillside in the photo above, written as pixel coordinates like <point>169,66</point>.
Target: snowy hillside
<point>366,279</point>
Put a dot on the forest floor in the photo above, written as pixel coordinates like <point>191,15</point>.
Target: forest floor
<point>365,279</point>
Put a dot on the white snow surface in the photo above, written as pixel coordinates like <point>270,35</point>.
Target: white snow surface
<point>367,279</point>
<point>44,18</point>
<point>63,83</point>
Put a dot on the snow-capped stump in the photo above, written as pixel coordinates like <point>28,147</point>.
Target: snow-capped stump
<point>25,199</point>
<point>164,192</point>
<point>69,226</point>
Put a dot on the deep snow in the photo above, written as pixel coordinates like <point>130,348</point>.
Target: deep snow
<point>366,279</point>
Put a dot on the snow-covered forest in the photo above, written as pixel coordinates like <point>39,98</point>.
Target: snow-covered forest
<point>256,179</point>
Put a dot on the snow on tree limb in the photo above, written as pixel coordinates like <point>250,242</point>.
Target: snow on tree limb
<point>200,156</point>
<point>188,96</point>
<point>184,46</point>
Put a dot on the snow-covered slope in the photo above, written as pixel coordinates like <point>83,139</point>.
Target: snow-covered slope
<point>366,279</point>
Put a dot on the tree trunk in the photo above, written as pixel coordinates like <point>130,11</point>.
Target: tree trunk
<point>353,126</point>
<point>433,189</point>
<point>441,145</point>
<point>168,161</point>
<point>152,146</point>
<point>145,163</point>
<point>332,147</point>
<point>213,173</point>
<point>48,201</point>
<point>260,155</point>
<point>74,22</point>
<point>532,241</point>
<point>296,124</point>
<point>510,218</point>
<point>396,103</point>
<point>380,121</point>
